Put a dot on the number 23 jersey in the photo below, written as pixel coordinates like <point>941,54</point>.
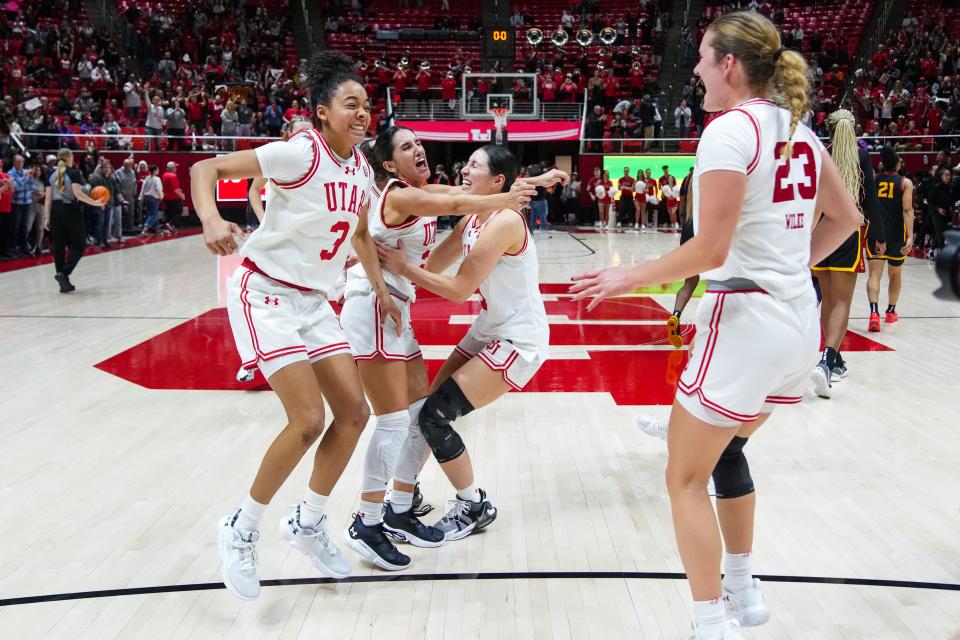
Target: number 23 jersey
<point>315,200</point>
<point>771,243</point>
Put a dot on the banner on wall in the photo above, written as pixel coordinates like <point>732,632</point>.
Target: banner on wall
<point>479,130</point>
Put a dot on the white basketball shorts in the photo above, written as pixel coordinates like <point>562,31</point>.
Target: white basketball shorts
<point>752,352</point>
<point>517,363</point>
<point>368,338</point>
<point>275,324</point>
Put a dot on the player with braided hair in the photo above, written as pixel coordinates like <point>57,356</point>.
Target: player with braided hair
<point>758,331</point>
<point>837,274</point>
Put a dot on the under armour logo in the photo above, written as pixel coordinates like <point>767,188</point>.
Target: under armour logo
<point>350,171</point>
<point>275,300</point>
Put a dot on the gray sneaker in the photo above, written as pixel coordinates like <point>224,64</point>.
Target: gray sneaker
<point>821,380</point>
<point>238,558</point>
<point>315,543</point>
<point>466,517</point>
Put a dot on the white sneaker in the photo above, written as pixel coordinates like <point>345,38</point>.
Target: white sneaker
<point>245,375</point>
<point>656,427</point>
<point>636,225</point>
<point>643,228</point>
<point>747,605</point>
<point>238,558</point>
<point>315,543</point>
<point>676,226</point>
<point>821,380</point>
<point>730,630</point>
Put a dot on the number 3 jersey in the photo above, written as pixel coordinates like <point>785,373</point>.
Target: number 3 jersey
<point>418,235</point>
<point>315,198</point>
<point>771,244</point>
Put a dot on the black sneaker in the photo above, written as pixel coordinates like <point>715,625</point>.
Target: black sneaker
<point>467,517</point>
<point>419,509</point>
<point>839,371</point>
<point>65,285</point>
<point>373,544</point>
<point>406,527</point>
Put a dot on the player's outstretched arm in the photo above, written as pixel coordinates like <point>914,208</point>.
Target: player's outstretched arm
<point>419,202</point>
<point>499,236</point>
<point>218,234</point>
<point>706,250</point>
<point>907,186</point>
<point>447,251</point>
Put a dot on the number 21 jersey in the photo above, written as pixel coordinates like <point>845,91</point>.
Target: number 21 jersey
<point>315,200</point>
<point>771,244</point>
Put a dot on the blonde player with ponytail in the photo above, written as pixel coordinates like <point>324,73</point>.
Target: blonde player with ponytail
<point>759,180</point>
<point>837,274</point>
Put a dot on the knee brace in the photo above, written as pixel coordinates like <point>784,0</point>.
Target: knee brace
<point>443,407</point>
<point>384,450</point>
<point>731,476</point>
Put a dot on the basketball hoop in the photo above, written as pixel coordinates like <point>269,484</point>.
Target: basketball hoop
<point>499,122</point>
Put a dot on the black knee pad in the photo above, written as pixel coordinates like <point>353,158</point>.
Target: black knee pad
<point>443,407</point>
<point>731,476</point>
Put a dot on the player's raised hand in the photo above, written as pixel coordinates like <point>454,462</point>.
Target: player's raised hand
<point>221,236</point>
<point>602,284</point>
<point>520,194</point>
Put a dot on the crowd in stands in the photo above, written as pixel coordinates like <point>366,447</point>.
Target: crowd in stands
<point>217,67</point>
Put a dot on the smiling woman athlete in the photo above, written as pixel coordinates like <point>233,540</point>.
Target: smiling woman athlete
<point>280,317</point>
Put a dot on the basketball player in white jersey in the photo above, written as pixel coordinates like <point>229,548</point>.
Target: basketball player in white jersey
<point>758,329</point>
<point>391,366</point>
<point>507,343</point>
<point>281,320</point>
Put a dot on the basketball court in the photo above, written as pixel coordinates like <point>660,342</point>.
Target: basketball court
<point>126,436</point>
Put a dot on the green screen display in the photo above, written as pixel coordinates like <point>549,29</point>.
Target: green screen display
<point>679,166</point>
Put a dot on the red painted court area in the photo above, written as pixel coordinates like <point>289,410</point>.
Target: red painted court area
<point>199,354</point>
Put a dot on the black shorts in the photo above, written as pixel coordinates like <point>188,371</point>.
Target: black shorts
<point>846,257</point>
<point>686,231</point>
<point>896,240</point>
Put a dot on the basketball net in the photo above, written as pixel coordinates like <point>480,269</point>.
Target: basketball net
<point>499,122</point>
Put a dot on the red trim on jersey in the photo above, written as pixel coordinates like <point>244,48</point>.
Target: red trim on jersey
<point>502,368</point>
<point>410,221</point>
<point>333,156</point>
<point>756,129</point>
<point>739,291</point>
<point>784,399</point>
<point>251,327</point>
<point>313,166</point>
<point>250,264</point>
<point>329,350</point>
<point>526,235</point>
<point>708,349</point>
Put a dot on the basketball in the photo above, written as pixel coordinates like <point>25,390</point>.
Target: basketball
<point>600,191</point>
<point>100,193</point>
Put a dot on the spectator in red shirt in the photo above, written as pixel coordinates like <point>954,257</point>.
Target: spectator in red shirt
<point>448,88</point>
<point>294,110</point>
<point>173,196</point>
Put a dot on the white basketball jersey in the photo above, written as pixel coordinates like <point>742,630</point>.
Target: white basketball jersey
<point>512,307</point>
<point>771,244</point>
<point>315,198</point>
<point>419,236</point>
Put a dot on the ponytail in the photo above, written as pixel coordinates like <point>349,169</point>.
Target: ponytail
<point>845,151</point>
<point>791,85</point>
<point>63,157</point>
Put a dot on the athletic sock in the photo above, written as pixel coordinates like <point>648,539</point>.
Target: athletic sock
<point>710,614</point>
<point>874,308</point>
<point>401,501</point>
<point>830,357</point>
<point>471,493</point>
<point>371,513</point>
<point>251,513</point>
<point>312,508</point>
<point>737,571</point>
<point>891,308</point>
<point>839,359</point>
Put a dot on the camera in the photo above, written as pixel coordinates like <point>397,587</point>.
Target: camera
<point>948,267</point>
